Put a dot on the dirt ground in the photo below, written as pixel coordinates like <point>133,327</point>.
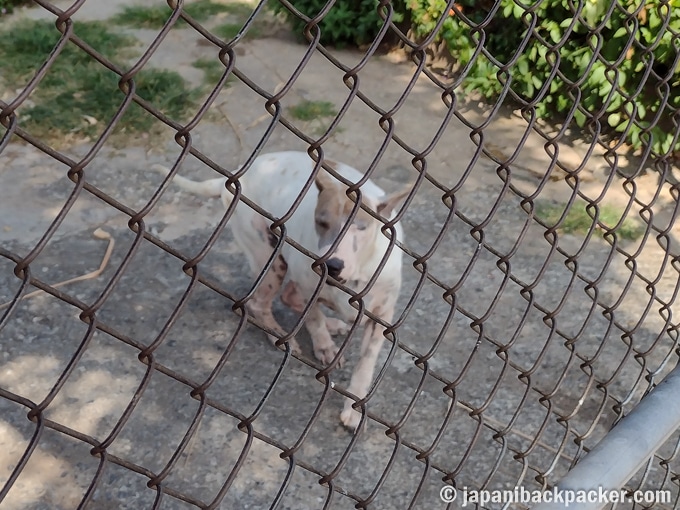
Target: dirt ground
<point>508,440</point>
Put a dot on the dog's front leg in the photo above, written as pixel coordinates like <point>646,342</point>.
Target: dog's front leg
<point>371,343</point>
<point>294,299</point>
<point>324,346</point>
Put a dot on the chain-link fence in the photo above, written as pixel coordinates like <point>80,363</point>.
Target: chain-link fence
<point>539,277</point>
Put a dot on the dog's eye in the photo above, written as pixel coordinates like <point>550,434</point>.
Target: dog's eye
<point>323,225</point>
<point>360,225</point>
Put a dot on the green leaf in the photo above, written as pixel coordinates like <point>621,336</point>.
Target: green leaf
<point>555,34</point>
<point>614,119</point>
<point>620,33</point>
<point>580,118</point>
<point>523,66</point>
<point>530,90</point>
<point>666,142</point>
<point>615,103</point>
<point>562,103</point>
<point>605,88</point>
<point>654,19</point>
<point>585,60</point>
<point>592,11</point>
<point>598,74</point>
<point>635,136</point>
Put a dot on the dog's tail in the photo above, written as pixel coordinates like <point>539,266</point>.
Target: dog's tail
<point>209,188</point>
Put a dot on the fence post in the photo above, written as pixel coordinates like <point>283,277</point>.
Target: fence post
<point>625,449</point>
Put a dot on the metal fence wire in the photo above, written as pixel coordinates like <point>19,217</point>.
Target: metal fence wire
<point>516,345</point>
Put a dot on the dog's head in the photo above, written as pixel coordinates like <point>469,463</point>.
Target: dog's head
<point>332,212</point>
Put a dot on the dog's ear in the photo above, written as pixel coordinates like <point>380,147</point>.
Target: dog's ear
<point>391,202</point>
<point>324,180</point>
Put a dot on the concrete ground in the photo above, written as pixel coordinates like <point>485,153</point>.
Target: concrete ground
<point>42,333</point>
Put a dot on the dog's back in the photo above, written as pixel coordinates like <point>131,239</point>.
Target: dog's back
<point>275,180</point>
<point>209,188</point>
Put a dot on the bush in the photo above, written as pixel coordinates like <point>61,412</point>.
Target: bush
<point>615,63</point>
<point>566,67</point>
<point>349,22</point>
<point>7,6</point>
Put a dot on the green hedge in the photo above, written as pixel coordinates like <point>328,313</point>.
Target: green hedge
<point>624,68</point>
<point>637,57</point>
<point>7,6</point>
<point>348,23</point>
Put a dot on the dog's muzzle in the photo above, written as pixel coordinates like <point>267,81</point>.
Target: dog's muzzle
<point>335,267</point>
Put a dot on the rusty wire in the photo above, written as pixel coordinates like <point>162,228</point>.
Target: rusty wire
<point>422,454</point>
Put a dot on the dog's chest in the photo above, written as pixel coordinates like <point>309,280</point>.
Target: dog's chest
<point>338,301</point>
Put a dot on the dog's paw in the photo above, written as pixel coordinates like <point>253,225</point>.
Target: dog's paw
<point>336,326</point>
<point>327,353</point>
<point>350,418</point>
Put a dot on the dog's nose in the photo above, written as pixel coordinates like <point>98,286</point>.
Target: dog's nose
<point>335,266</point>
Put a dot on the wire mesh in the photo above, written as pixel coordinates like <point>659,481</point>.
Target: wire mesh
<point>515,346</point>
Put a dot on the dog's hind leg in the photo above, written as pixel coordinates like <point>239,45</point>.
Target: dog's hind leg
<point>260,304</point>
<point>293,298</point>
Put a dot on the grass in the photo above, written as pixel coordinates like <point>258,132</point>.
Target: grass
<point>578,221</point>
<point>228,31</point>
<point>78,96</point>
<point>212,69</point>
<point>311,110</point>
<point>155,16</point>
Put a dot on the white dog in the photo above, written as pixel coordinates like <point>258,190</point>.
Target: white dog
<point>273,182</point>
